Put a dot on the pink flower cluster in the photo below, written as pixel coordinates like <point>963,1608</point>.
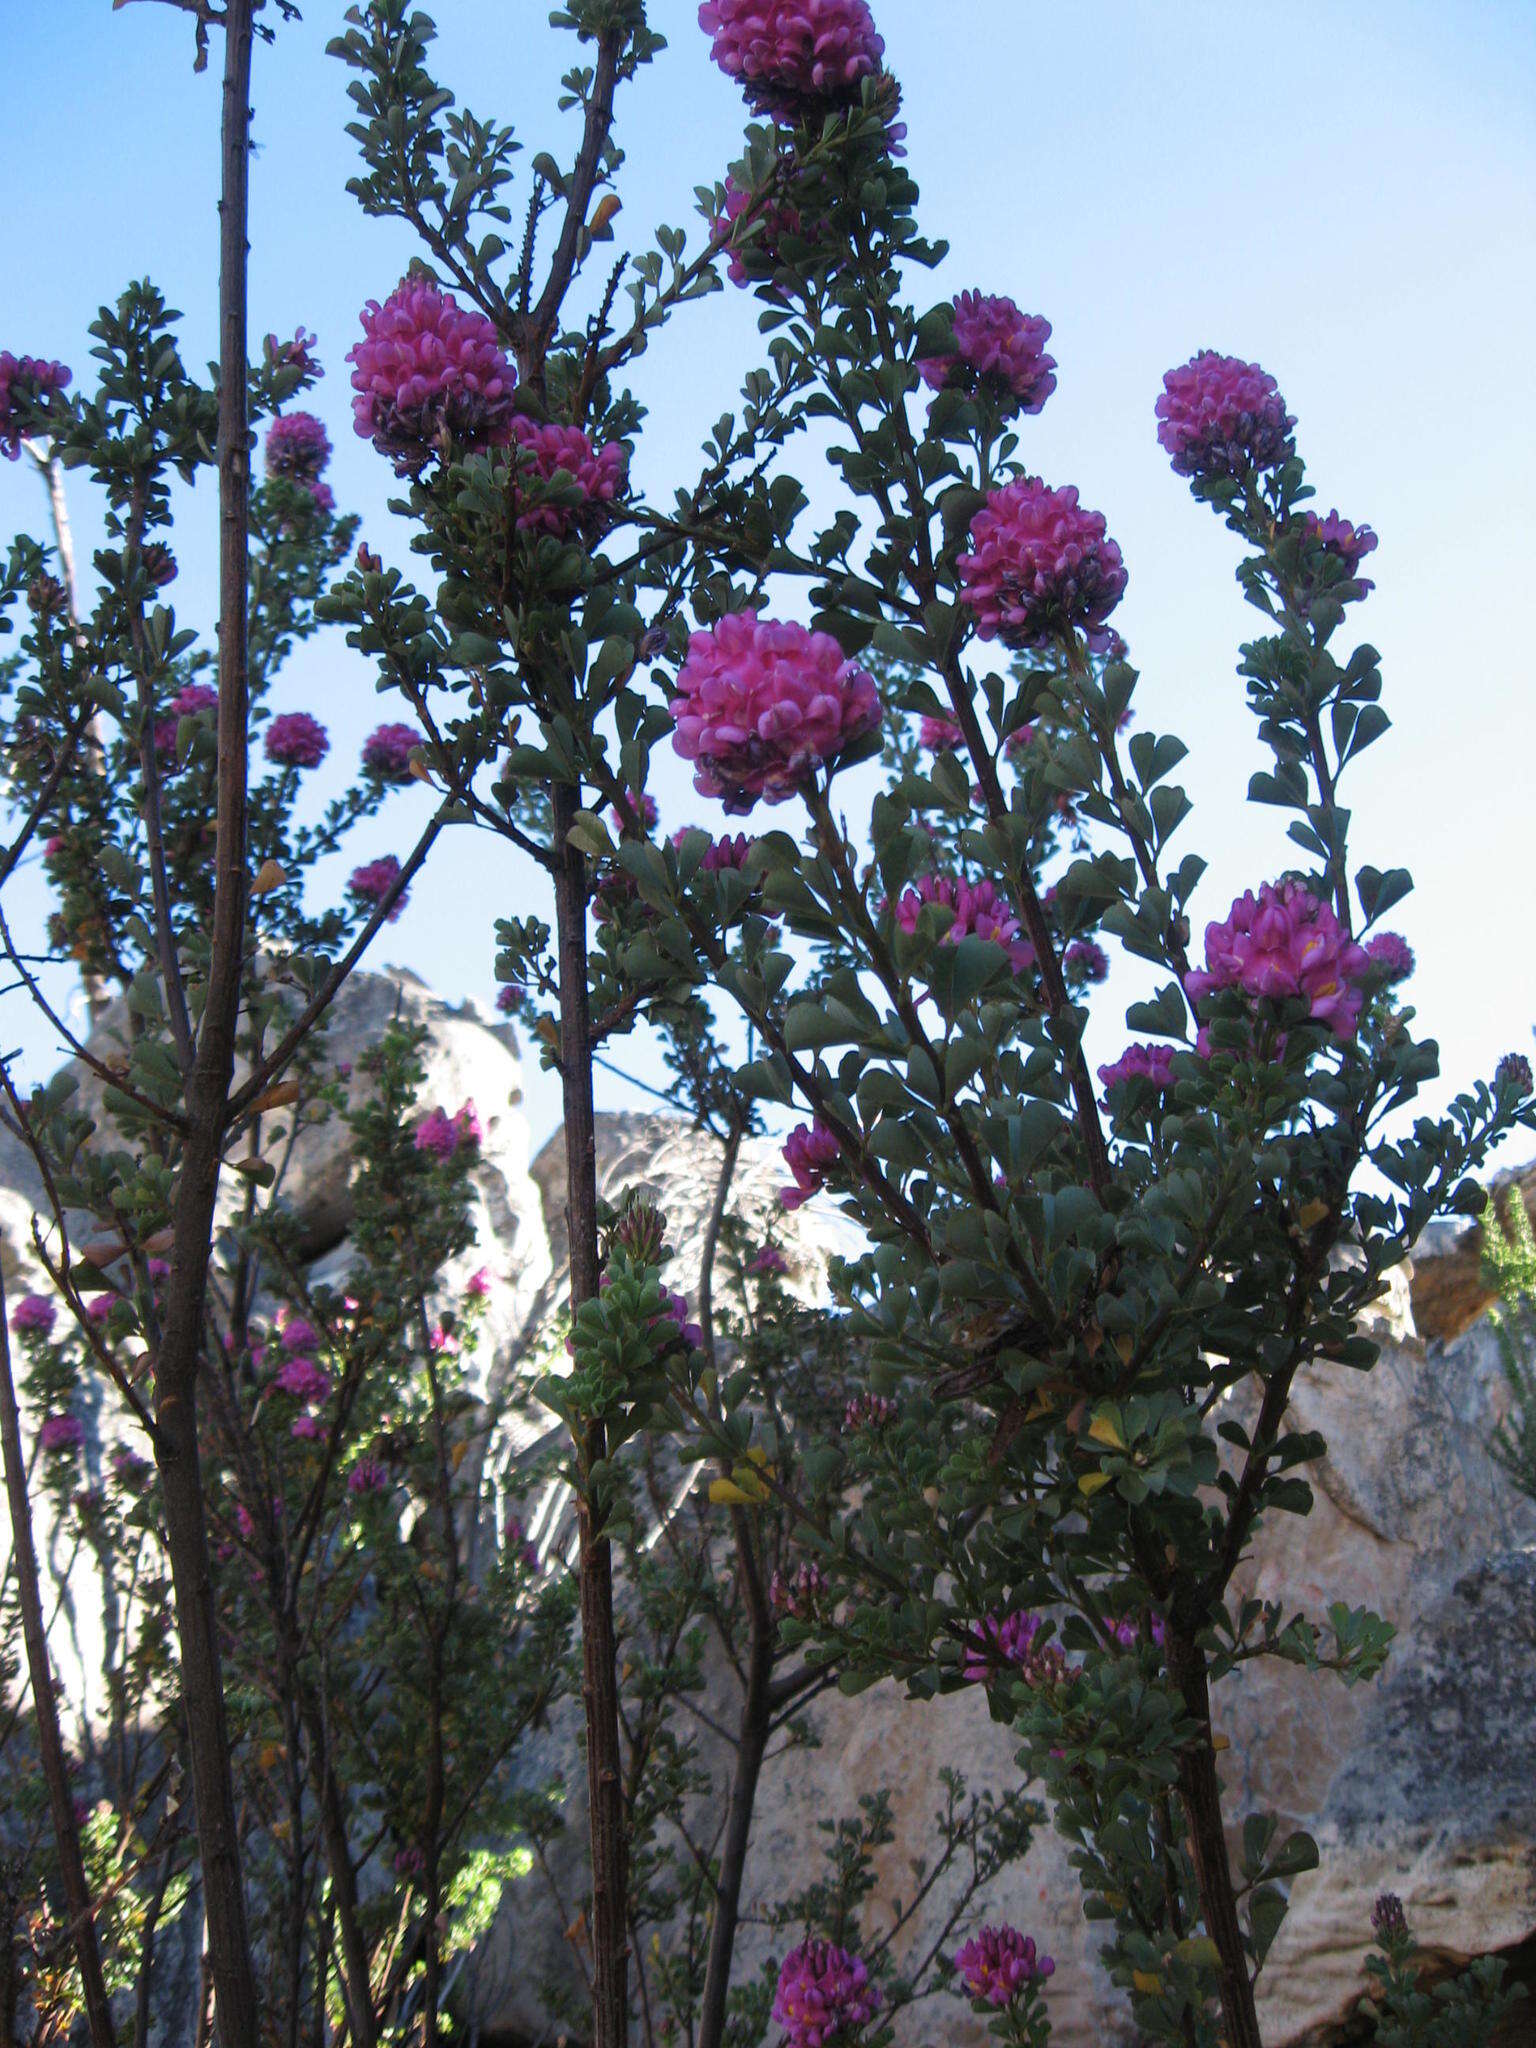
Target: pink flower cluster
<point>1085,960</point>
<point>980,912</point>
<point>387,752</point>
<point>1040,565</point>
<point>34,1315</point>
<point>868,1411</point>
<point>809,1150</point>
<point>1344,540</point>
<point>190,702</point>
<point>368,1475</point>
<point>798,1594</point>
<point>998,349</point>
<point>773,219</point>
<point>442,1135</point>
<point>761,705</point>
<point>1391,954</point>
<point>427,368</point>
<point>728,852</point>
<point>297,354</point>
<point>940,735</point>
<point>998,1963</point>
<point>1513,1071</point>
<point>675,1310</point>
<point>372,882</point>
<point>599,474</point>
<point>642,813</point>
<point>295,740</point>
<point>301,1379</point>
<point>32,381</point>
<point>510,997</point>
<point>1153,1063</point>
<point>793,56</point>
<point>1284,943</point>
<point>823,1994</point>
<point>298,449</point>
<point>770,1262</point>
<point>1219,417</point>
<point>1008,1641</point>
<point>61,1433</point>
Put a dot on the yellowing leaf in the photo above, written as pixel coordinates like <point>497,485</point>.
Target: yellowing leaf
<point>1092,1481</point>
<point>1147,1982</point>
<point>1103,1430</point>
<point>269,876</point>
<point>725,1493</point>
<point>1312,1215</point>
<point>603,212</point>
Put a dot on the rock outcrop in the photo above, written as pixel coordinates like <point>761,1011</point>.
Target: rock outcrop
<point>1424,1783</point>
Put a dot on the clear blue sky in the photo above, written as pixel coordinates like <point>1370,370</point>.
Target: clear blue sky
<point>1347,194</point>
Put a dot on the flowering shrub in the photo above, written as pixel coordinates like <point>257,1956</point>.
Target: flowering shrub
<point>1069,1343</point>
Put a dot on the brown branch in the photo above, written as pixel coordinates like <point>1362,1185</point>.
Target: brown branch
<point>82,1923</point>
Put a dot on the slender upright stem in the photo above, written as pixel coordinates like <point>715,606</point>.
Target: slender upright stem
<point>180,1353</point>
<point>1200,1791</point>
<point>599,1676</point>
<point>77,1892</point>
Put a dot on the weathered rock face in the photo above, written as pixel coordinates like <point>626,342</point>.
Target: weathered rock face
<point>1424,1783</point>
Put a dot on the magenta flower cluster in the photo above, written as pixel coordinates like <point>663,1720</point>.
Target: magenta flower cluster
<point>1342,539</point>
<point>442,1135</point>
<point>998,1963</point>
<point>809,1150</point>
<point>368,1475</point>
<point>791,55</point>
<point>1391,955</point>
<point>295,740</point>
<point>999,1642</point>
<point>547,450</point>
<point>797,1594</point>
<point>298,449</point>
<point>61,1433</point>
<point>34,1315</point>
<point>641,815</point>
<point>1152,1063</point>
<point>770,1262</point>
<point>387,752</point>
<point>997,349</point>
<point>824,1994</point>
<point>980,912</point>
<point>868,1411</point>
<point>301,1379</point>
<point>940,735</point>
<point>772,220</point>
<point>1513,1071</point>
<point>762,704</point>
<point>1281,944</point>
<point>427,367</point>
<point>728,853</point>
<point>1218,417</point>
<point>1085,960</point>
<point>1040,565</point>
<point>24,381</point>
<point>372,882</point>
<point>189,702</point>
